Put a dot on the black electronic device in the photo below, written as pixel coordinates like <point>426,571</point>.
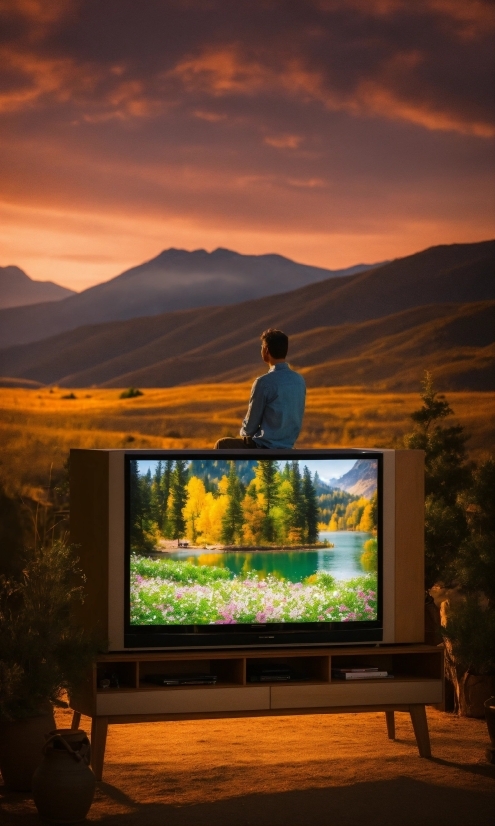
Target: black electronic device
<point>182,679</point>
<point>271,674</point>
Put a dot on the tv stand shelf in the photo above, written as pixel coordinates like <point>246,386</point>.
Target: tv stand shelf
<point>117,690</point>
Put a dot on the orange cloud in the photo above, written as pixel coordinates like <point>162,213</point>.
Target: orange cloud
<point>284,141</point>
<point>380,101</point>
<point>227,71</point>
<point>220,72</point>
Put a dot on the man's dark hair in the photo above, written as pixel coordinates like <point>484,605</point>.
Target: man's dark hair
<point>277,343</point>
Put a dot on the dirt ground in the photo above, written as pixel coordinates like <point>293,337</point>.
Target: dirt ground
<point>287,771</point>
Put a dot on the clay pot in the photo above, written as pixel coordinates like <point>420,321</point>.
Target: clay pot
<point>63,783</point>
<point>474,691</point>
<point>21,744</point>
<point>490,722</point>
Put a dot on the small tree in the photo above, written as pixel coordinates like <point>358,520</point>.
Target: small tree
<point>470,628</point>
<point>475,564</point>
<point>297,522</point>
<point>310,507</point>
<point>447,476</point>
<point>178,497</point>
<point>233,518</point>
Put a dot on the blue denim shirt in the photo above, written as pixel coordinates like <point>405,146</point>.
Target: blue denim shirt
<point>276,408</point>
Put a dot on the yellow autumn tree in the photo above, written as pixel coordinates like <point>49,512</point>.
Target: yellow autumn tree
<point>366,523</point>
<point>194,506</point>
<point>254,514</point>
<point>209,522</point>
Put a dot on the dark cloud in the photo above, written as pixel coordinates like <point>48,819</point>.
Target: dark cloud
<point>329,115</point>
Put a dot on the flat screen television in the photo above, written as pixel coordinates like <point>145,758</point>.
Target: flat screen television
<point>212,549</point>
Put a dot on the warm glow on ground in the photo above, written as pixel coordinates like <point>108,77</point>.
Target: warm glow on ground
<point>39,427</point>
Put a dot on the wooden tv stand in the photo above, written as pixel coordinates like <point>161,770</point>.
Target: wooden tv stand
<point>417,669</point>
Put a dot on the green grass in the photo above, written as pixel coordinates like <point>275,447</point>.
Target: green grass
<point>167,592</point>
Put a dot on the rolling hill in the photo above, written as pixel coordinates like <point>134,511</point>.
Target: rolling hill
<point>18,289</point>
<point>174,280</point>
<point>380,328</point>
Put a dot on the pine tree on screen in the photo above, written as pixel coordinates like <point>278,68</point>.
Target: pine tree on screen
<point>310,508</point>
<point>297,523</point>
<point>177,500</point>
<point>232,521</point>
<point>165,493</point>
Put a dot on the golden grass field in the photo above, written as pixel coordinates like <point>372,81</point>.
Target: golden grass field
<point>38,427</point>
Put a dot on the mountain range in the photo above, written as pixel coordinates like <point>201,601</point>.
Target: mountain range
<point>174,280</point>
<point>380,328</point>
<point>360,480</point>
<point>18,289</point>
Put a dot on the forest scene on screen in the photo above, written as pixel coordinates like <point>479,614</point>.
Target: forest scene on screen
<point>217,541</point>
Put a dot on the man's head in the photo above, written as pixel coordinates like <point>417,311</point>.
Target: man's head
<point>274,346</point>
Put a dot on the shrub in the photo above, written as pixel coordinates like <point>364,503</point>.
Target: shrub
<point>131,393</point>
<point>43,653</point>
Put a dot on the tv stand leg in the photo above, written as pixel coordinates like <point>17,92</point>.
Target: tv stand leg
<point>420,726</point>
<point>76,719</point>
<point>99,728</point>
<point>390,718</point>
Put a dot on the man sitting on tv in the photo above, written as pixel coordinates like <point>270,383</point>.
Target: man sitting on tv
<point>276,406</point>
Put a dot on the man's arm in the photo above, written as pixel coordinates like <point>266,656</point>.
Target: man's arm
<point>254,415</point>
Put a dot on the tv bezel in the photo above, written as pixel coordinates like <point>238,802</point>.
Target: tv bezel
<point>254,634</point>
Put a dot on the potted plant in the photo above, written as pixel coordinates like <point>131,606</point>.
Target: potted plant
<point>43,654</point>
<point>470,652</point>
<point>470,621</point>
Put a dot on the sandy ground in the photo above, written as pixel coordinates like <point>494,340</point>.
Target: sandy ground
<point>287,771</point>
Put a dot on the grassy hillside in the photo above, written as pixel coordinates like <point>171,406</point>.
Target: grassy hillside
<point>454,340</point>
<point>38,427</point>
<point>436,299</point>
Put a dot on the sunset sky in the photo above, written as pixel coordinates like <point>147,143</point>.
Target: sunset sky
<point>330,131</point>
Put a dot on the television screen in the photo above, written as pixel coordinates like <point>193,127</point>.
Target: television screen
<point>245,542</point>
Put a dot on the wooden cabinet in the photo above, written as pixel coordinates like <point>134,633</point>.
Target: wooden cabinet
<point>122,688</point>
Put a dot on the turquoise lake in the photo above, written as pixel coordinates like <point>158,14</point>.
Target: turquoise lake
<point>342,561</point>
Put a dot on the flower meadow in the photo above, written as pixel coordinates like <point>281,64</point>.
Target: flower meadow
<point>169,592</point>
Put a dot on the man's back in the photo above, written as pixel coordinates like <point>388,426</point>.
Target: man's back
<point>276,408</point>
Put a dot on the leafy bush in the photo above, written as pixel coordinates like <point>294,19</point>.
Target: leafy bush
<point>131,393</point>
<point>369,557</point>
<point>43,653</point>
<point>471,632</point>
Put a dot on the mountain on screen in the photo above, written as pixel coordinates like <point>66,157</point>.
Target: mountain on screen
<point>360,480</point>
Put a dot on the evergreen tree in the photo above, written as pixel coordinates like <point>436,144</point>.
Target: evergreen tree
<point>475,565</point>
<point>310,504</point>
<point>146,497</point>
<point>139,542</point>
<point>177,500</point>
<point>268,477</point>
<point>298,521</point>
<point>232,521</point>
<point>165,493</point>
<point>447,475</point>
<point>374,511</point>
<point>157,494</point>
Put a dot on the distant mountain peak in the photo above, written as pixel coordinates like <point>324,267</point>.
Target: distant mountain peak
<point>223,252</point>
<point>17,289</point>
